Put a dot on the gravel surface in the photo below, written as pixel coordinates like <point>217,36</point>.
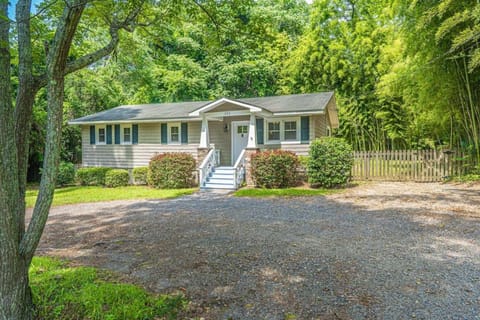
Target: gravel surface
<point>376,251</point>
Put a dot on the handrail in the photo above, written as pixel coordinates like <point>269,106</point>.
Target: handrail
<point>239,159</point>
<point>239,169</point>
<point>206,167</point>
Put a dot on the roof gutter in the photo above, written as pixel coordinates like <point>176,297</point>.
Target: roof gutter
<point>134,121</point>
<point>296,113</point>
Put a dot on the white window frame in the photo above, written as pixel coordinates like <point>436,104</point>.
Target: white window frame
<point>282,130</point>
<point>267,122</point>
<point>297,129</point>
<point>97,134</point>
<point>169,135</point>
<point>122,134</point>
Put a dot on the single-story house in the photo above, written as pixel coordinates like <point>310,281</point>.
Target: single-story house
<point>220,134</point>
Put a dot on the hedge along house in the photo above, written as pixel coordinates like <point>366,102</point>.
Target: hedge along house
<point>221,135</point>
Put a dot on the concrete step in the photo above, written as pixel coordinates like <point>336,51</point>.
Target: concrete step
<point>224,170</point>
<point>209,185</point>
<point>218,180</point>
<point>222,174</point>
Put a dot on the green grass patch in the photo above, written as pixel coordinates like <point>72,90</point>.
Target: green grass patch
<point>78,194</point>
<point>287,192</point>
<point>467,178</point>
<point>63,292</point>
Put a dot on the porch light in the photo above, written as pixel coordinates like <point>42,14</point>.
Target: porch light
<point>225,127</point>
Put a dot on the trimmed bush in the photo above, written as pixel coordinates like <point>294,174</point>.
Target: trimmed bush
<point>171,171</point>
<point>92,176</point>
<point>65,174</point>
<point>330,162</point>
<point>116,178</point>
<point>140,175</point>
<point>275,169</point>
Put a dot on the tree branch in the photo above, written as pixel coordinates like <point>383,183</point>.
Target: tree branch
<point>57,68</point>
<point>127,24</point>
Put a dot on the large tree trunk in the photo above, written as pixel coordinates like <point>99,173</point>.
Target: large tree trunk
<point>15,297</point>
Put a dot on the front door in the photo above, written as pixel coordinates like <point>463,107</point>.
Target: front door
<point>239,138</point>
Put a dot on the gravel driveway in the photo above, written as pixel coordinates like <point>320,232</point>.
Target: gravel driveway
<point>376,251</point>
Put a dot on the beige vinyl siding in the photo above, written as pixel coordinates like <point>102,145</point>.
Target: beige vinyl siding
<point>194,129</point>
<point>320,125</point>
<point>129,156</point>
<point>148,133</point>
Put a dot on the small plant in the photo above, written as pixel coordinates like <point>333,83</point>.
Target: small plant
<point>116,178</point>
<point>92,176</point>
<point>140,175</point>
<point>330,162</point>
<point>171,170</point>
<point>66,174</point>
<point>275,169</point>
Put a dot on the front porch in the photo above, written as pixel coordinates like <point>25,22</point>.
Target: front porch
<point>229,135</point>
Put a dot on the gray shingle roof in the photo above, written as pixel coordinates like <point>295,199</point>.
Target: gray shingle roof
<point>180,110</point>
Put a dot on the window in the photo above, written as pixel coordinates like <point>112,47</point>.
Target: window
<point>175,134</point>
<point>242,129</point>
<point>101,135</point>
<point>284,130</point>
<point>273,131</point>
<point>290,130</point>
<point>127,135</point>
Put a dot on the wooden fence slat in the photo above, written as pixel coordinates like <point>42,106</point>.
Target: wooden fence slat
<point>408,165</point>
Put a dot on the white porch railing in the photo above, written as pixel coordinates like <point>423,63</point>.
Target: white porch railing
<point>240,169</point>
<point>208,164</point>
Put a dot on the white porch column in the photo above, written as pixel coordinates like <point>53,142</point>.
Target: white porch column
<point>252,132</point>
<point>204,135</point>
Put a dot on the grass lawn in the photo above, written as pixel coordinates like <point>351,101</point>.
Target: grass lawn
<point>77,194</point>
<point>287,192</point>
<point>63,292</point>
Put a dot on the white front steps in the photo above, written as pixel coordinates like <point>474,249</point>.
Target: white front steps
<point>221,178</point>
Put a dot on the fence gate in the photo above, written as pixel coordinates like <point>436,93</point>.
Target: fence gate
<point>408,165</point>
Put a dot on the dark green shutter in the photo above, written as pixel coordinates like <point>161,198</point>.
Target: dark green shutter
<point>164,133</point>
<point>259,131</point>
<point>305,129</point>
<point>92,134</point>
<point>134,133</point>
<point>117,134</point>
<point>184,132</point>
<point>109,134</point>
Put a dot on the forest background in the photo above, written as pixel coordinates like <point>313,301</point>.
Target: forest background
<point>406,74</point>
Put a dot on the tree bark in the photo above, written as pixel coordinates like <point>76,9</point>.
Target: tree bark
<point>15,297</point>
<point>56,64</point>
<point>24,102</point>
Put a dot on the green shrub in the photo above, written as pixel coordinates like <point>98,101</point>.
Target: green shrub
<point>92,176</point>
<point>65,174</point>
<point>330,162</point>
<point>171,171</point>
<point>116,178</point>
<point>275,169</point>
<point>140,175</point>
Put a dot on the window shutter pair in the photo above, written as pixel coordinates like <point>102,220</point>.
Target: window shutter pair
<point>116,134</point>
<point>305,129</point>
<point>164,133</point>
